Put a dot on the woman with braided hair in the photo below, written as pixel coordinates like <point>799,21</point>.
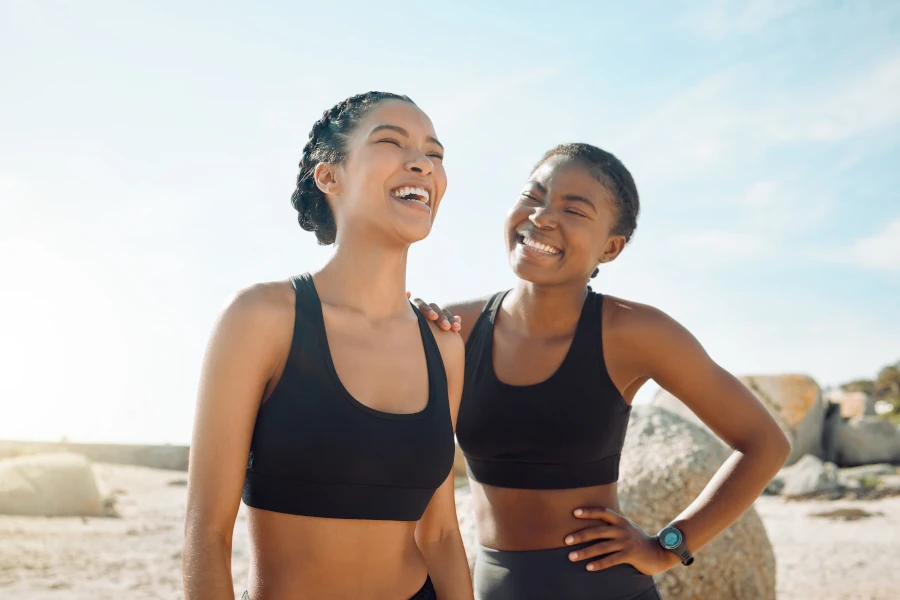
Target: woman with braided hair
<point>551,371</point>
<point>326,403</point>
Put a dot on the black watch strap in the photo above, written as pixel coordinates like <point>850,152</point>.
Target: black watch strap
<point>684,554</point>
<point>671,539</point>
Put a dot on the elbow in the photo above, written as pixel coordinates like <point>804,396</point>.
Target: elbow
<point>782,448</point>
<point>772,448</point>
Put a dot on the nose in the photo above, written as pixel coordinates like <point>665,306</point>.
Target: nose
<point>420,163</point>
<point>543,218</point>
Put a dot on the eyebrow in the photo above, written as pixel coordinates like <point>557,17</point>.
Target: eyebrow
<point>403,132</point>
<point>567,197</point>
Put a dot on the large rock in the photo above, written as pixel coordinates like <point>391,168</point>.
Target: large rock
<point>795,401</point>
<point>808,476</point>
<point>465,512</point>
<point>666,463</point>
<point>52,485</point>
<point>866,440</point>
<point>852,404</point>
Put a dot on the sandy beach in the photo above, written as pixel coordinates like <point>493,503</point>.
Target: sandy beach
<point>138,554</point>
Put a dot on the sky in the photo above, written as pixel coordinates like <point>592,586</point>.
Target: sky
<point>148,151</point>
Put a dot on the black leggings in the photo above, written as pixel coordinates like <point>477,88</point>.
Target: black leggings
<point>543,574</point>
<point>425,593</point>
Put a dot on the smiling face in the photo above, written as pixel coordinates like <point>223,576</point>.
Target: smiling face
<point>393,180</point>
<point>561,226</point>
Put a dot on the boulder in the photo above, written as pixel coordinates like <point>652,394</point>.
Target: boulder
<point>866,440</point>
<point>795,401</point>
<point>465,513</point>
<point>808,476</point>
<point>666,463</point>
<point>865,471</point>
<point>51,485</point>
<point>852,404</point>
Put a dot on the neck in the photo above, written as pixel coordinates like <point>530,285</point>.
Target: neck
<point>366,277</point>
<point>546,310</point>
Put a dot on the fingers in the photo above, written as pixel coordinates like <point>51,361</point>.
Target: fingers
<point>602,514</point>
<point>440,315</point>
<point>589,534</point>
<point>426,309</point>
<point>444,319</point>
<point>595,550</point>
<point>606,562</point>
<point>454,321</point>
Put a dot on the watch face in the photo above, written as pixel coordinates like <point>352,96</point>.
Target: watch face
<point>670,538</point>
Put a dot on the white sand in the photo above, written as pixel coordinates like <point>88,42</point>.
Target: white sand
<point>138,556</point>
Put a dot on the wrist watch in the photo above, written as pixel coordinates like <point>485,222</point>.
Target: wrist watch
<point>671,539</point>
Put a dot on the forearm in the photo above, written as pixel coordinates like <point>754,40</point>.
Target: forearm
<point>206,565</point>
<point>732,490</point>
<point>448,567</point>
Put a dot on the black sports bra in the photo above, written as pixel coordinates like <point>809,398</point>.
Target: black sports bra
<point>565,432</point>
<point>319,452</point>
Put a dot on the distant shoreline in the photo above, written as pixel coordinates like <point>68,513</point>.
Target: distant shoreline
<point>159,456</point>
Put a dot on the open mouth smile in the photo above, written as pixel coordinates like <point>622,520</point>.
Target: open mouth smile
<point>411,193</point>
<point>538,247</point>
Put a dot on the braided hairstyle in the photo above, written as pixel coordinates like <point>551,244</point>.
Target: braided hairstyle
<point>612,174</point>
<point>328,143</point>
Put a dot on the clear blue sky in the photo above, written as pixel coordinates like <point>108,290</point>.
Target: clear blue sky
<point>148,151</point>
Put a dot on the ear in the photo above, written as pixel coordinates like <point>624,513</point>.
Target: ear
<point>326,178</point>
<point>613,248</point>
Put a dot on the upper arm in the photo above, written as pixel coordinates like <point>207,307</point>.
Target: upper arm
<point>240,359</point>
<point>672,356</point>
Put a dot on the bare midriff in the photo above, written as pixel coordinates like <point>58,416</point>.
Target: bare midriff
<point>518,519</point>
<point>308,558</point>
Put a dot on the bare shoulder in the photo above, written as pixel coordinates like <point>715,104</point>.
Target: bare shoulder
<point>452,348</point>
<point>261,304</point>
<point>632,322</point>
<point>258,321</point>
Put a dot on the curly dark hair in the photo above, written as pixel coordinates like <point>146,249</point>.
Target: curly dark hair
<point>612,174</point>
<point>328,143</point>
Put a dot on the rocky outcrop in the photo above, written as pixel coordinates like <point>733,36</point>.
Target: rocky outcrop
<point>795,401</point>
<point>866,440</point>
<point>807,477</point>
<point>666,463</point>
<point>852,404</point>
<point>52,485</point>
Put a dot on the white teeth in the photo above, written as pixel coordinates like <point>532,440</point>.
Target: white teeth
<point>539,246</point>
<point>418,194</point>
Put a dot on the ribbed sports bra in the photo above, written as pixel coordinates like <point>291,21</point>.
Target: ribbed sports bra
<point>564,432</point>
<point>317,451</point>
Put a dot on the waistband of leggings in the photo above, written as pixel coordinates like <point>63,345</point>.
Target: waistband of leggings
<point>556,550</point>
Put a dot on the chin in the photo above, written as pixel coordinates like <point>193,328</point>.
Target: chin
<point>532,273</point>
<point>414,233</point>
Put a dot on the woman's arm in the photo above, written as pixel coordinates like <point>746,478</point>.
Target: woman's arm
<point>666,352</point>
<point>239,361</point>
<point>437,532</point>
<point>680,365</point>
